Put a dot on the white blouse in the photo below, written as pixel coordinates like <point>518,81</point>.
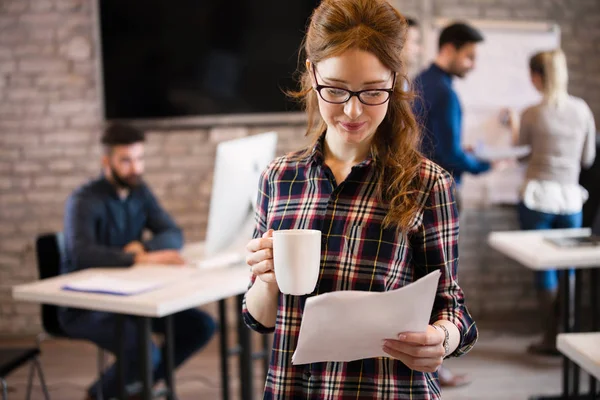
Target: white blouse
<point>553,197</point>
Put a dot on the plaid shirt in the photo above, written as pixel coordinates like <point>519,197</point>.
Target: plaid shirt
<point>358,253</point>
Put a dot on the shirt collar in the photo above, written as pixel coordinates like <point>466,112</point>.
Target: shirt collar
<point>112,190</point>
<point>442,72</point>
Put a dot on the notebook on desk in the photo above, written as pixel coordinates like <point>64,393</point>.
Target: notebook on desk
<point>573,242</point>
<point>592,240</point>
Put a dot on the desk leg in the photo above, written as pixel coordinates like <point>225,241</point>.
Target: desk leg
<point>169,349</point>
<point>594,309</point>
<point>566,311</point>
<point>224,348</point>
<point>577,324</point>
<point>119,335</point>
<point>145,356</point>
<point>245,355</point>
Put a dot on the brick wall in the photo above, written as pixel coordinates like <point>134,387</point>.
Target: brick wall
<point>50,118</point>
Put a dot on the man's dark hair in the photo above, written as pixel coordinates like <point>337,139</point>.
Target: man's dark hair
<point>119,134</point>
<point>411,22</point>
<point>459,34</point>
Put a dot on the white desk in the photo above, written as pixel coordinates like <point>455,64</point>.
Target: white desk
<point>187,287</point>
<point>583,349</point>
<point>192,288</point>
<point>530,249</point>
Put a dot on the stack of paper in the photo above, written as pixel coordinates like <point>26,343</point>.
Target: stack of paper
<point>131,281</point>
<point>351,325</point>
<point>112,285</point>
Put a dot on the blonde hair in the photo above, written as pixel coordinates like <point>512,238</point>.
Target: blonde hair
<point>552,68</point>
<point>374,26</point>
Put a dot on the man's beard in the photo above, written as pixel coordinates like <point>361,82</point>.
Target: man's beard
<point>456,71</point>
<point>129,182</point>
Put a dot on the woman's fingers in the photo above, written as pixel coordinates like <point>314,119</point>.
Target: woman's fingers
<point>268,277</point>
<point>415,350</point>
<point>428,364</point>
<point>259,256</point>
<point>259,244</point>
<point>263,267</point>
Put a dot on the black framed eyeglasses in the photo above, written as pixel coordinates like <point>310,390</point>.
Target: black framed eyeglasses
<point>336,95</point>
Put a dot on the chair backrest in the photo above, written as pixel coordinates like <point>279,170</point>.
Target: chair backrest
<point>48,252</point>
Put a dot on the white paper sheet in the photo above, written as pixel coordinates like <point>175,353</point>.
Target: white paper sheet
<point>131,281</point>
<point>112,285</point>
<point>351,325</point>
<point>493,153</point>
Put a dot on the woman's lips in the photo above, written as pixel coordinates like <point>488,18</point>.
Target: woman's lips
<point>352,126</point>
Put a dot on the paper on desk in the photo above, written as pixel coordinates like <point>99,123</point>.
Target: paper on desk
<point>350,325</point>
<point>489,153</point>
<point>130,281</point>
<point>112,285</point>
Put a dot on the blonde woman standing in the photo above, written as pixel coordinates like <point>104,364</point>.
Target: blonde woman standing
<point>561,133</point>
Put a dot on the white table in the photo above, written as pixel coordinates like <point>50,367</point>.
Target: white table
<point>583,349</point>
<point>532,250</point>
<point>190,288</point>
<point>187,288</point>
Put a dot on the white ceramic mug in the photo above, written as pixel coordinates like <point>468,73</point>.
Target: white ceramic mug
<point>297,259</point>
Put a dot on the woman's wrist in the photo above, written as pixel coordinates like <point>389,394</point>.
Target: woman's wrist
<point>453,335</point>
<point>446,341</point>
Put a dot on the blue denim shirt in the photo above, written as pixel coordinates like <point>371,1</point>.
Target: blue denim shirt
<point>98,224</point>
<point>438,109</point>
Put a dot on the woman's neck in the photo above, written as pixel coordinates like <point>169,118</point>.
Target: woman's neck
<point>338,151</point>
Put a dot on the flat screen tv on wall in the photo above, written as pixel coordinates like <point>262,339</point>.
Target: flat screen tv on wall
<point>185,58</point>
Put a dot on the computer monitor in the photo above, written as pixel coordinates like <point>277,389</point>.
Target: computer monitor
<point>238,166</point>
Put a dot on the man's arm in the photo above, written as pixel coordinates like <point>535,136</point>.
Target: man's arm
<point>81,241</point>
<point>447,129</point>
<point>165,233</point>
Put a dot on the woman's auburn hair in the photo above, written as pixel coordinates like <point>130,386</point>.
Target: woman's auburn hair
<point>376,27</point>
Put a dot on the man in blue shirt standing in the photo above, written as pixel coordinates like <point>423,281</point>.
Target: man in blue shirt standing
<point>438,106</point>
<point>104,223</point>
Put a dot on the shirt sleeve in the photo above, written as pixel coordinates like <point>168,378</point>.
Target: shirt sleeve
<point>435,247</point>
<point>262,205</point>
<point>589,145</point>
<point>165,232</point>
<point>81,242</point>
<point>446,124</point>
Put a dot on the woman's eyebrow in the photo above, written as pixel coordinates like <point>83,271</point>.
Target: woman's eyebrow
<point>364,83</point>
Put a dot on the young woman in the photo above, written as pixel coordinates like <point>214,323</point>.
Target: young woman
<point>387,215</point>
<point>561,133</point>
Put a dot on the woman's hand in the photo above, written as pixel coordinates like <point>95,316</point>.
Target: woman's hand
<point>422,351</point>
<point>260,258</point>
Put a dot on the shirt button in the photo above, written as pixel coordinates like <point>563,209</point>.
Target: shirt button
<point>307,374</point>
<point>324,240</point>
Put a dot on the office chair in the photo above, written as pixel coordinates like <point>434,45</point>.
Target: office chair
<point>50,252</point>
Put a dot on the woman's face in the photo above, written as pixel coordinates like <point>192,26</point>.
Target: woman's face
<point>537,81</point>
<point>353,122</point>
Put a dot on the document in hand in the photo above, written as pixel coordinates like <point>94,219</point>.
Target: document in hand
<point>351,325</point>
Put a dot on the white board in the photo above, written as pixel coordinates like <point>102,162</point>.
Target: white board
<point>500,79</point>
